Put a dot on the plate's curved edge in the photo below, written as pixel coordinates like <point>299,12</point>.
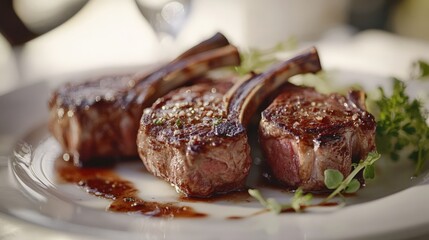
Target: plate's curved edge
<point>399,196</point>
<point>20,166</point>
<point>81,221</point>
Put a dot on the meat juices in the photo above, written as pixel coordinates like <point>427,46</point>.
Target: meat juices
<point>196,142</point>
<point>97,121</point>
<point>303,133</point>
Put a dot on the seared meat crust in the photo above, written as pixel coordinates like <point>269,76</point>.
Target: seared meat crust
<point>303,133</point>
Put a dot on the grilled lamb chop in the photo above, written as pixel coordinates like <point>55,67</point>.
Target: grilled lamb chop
<point>196,142</point>
<point>303,133</point>
<point>97,121</point>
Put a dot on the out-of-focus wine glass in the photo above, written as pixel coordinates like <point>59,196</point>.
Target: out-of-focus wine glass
<point>24,20</point>
<point>166,17</point>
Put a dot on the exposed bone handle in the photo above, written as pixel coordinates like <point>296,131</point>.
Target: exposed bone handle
<point>197,65</point>
<point>172,76</point>
<point>212,53</point>
<point>216,41</point>
<point>245,98</point>
<point>358,98</point>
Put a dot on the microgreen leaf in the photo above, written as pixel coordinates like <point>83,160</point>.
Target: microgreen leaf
<point>333,178</point>
<point>256,60</point>
<point>369,172</point>
<point>353,186</point>
<point>301,200</point>
<point>258,196</point>
<point>274,206</point>
<point>369,160</point>
<point>270,203</point>
<point>298,201</point>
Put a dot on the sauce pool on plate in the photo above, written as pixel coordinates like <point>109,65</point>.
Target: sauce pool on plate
<point>105,183</point>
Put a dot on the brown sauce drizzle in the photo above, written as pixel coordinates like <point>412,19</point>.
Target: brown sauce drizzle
<point>105,183</point>
<point>233,197</point>
<point>322,204</point>
<point>288,210</point>
<point>248,216</point>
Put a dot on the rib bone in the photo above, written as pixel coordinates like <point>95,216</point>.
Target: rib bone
<point>97,121</point>
<point>243,101</point>
<point>188,139</point>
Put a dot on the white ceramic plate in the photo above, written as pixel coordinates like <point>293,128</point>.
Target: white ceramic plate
<point>393,206</point>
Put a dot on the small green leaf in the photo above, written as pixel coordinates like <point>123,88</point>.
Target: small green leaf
<point>300,199</point>
<point>424,69</point>
<point>333,178</point>
<point>258,196</point>
<point>350,184</point>
<point>158,121</point>
<point>274,206</point>
<point>297,203</point>
<point>369,172</point>
<point>256,60</point>
<point>179,123</point>
<point>353,186</point>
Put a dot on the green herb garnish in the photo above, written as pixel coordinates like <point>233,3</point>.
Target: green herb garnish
<point>178,123</point>
<point>335,180</point>
<point>401,124</point>
<point>256,60</point>
<point>297,203</point>
<point>159,121</point>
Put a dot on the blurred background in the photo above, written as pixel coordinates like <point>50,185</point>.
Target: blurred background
<point>59,40</point>
<point>44,39</point>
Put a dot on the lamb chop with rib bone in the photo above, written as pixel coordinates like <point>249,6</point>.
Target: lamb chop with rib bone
<point>97,121</point>
<point>198,143</point>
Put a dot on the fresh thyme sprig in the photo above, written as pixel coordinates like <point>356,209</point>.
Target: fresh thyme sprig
<point>335,179</point>
<point>401,124</point>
